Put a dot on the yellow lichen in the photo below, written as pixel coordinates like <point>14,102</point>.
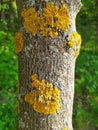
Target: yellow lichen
<point>45,31</point>
<point>63,18</point>
<point>45,98</point>
<point>65,128</point>
<point>77,38</point>
<point>50,14</point>
<point>34,77</point>
<point>53,34</point>
<point>75,41</point>
<point>78,42</point>
<point>19,42</point>
<point>48,21</point>
<point>71,42</point>
<point>31,20</point>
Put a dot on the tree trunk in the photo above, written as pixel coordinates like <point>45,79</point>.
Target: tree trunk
<point>2,12</point>
<point>12,13</point>
<point>47,48</point>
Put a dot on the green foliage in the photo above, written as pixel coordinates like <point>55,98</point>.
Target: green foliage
<point>8,15</point>
<point>8,69</point>
<point>86,91</point>
<point>85,115</point>
<point>8,115</point>
<point>4,7</point>
<point>8,60</point>
<point>8,81</point>
<point>87,21</point>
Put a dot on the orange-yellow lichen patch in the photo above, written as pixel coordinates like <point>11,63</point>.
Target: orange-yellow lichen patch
<point>31,20</point>
<point>53,34</point>
<point>48,21</point>
<point>45,99</point>
<point>50,13</point>
<point>34,77</point>
<point>71,42</point>
<point>30,98</point>
<point>75,41</point>
<point>56,17</point>
<point>63,18</point>
<point>45,31</point>
<point>65,128</point>
<point>19,41</point>
<point>77,38</point>
<point>78,42</point>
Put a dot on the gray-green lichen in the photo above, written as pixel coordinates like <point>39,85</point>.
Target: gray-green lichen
<point>21,123</point>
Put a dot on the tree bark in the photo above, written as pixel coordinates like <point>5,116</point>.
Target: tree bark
<point>2,12</point>
<point>51,59</point>
<point>11,12</point>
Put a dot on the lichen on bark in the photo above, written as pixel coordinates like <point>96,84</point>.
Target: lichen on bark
<point>52,60</point>
<point>48,21</point>
<point>45,98</point>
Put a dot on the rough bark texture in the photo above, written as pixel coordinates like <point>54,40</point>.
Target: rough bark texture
<point>52,60</point>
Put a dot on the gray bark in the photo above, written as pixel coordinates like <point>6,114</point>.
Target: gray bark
<point>52,60</point>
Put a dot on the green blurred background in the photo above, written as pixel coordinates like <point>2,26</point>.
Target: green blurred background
<point>85,114</point>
